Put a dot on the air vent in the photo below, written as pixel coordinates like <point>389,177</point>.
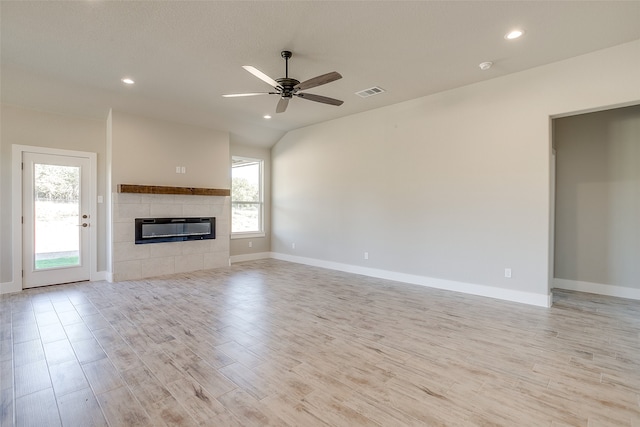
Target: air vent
<point>370,92</point>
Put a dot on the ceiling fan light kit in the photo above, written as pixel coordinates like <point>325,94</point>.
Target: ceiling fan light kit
<point>287,87</point>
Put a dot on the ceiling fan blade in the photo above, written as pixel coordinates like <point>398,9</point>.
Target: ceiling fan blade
<point>235,95</point>
<point>318,81</point>
<point>319,98</point>
<point>262,76</point>
<point>282,105</point>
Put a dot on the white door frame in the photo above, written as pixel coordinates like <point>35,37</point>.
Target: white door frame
<point>16,201</point>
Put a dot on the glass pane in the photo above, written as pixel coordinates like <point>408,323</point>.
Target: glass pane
<point>245,184</point>
<point>245,217</point>
<point>57,215</point>
<point>173,230</point>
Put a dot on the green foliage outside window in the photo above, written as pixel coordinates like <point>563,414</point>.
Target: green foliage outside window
<point>246,196</point>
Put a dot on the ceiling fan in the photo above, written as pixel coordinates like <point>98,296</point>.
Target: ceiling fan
<point>287,87</point>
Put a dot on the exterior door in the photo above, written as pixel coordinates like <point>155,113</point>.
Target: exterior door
<point>55,195</point>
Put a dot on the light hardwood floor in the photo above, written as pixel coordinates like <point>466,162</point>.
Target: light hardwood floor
<point>274,343</point>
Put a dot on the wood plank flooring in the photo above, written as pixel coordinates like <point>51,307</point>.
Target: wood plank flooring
<point>271,343</point>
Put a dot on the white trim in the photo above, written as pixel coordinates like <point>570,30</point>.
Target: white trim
<point>16,206</point>
<point>108,243</point>
<point>16,214</point>
<point>251,235</point>
<point>597,288</point>
<point>10,287</point>
<point>595,109</point>
<point>99,276</point>
<point>540,300</point>
<point>249,257</point>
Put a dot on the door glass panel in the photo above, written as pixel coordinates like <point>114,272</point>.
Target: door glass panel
<point>57,215</point>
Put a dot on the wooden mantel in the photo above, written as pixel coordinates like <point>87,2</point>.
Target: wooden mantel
<point>157,189</point>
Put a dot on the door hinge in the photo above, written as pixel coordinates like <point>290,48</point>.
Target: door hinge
<point>21,220</point>
<point>22,165</point>
<point>22,273</point>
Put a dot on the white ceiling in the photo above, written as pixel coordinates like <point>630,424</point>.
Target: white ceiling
<point>69,57</point>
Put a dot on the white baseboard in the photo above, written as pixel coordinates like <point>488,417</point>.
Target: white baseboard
<point>100,275</point>
<point>540,300</point>
<point>249,257</point>
<point>10,287</point>
<point>597,288</point>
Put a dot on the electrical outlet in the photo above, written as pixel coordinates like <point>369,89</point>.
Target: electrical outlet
<point>250,244</point>
<point>507,273</point>
<point>183,169</point>
<point>177,169</point>
<point>366,255</point>
<point>293,246</point>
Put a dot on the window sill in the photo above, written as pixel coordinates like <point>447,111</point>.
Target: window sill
<point>246,235</point>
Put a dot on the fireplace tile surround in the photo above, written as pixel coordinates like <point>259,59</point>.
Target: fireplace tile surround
<point>132,262</point>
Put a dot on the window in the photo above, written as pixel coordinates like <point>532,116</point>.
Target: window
<point>246,196</point>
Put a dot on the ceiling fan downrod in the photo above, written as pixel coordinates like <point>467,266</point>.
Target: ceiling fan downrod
<point>286,55</point>
<point>287,84</point>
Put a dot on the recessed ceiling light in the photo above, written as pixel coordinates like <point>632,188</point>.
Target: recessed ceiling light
<point>127,81</point>
<point>485,65</point>
<point>511,35</point>
<point>267,116</point>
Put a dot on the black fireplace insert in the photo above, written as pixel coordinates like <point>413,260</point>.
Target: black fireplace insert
<point>157,230</point>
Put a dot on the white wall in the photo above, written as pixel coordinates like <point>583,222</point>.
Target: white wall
<point>146,151</point>
<point>449,189</point>
<point>42,129</point>
<point>598,199</point>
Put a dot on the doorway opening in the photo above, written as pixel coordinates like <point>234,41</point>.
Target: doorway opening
<point>596,227</point>
<point>54,198</point>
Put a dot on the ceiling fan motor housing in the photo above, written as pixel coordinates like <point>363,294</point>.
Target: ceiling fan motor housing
<point>288,86</point>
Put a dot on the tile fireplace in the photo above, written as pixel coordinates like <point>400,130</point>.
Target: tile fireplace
<point>131,261</point>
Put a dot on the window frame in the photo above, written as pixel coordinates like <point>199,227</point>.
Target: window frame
<point>249,234</point>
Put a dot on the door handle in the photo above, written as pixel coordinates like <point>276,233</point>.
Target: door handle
<point>84,224</point>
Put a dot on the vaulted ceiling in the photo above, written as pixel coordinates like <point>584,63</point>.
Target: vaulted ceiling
<point>69,57</point>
